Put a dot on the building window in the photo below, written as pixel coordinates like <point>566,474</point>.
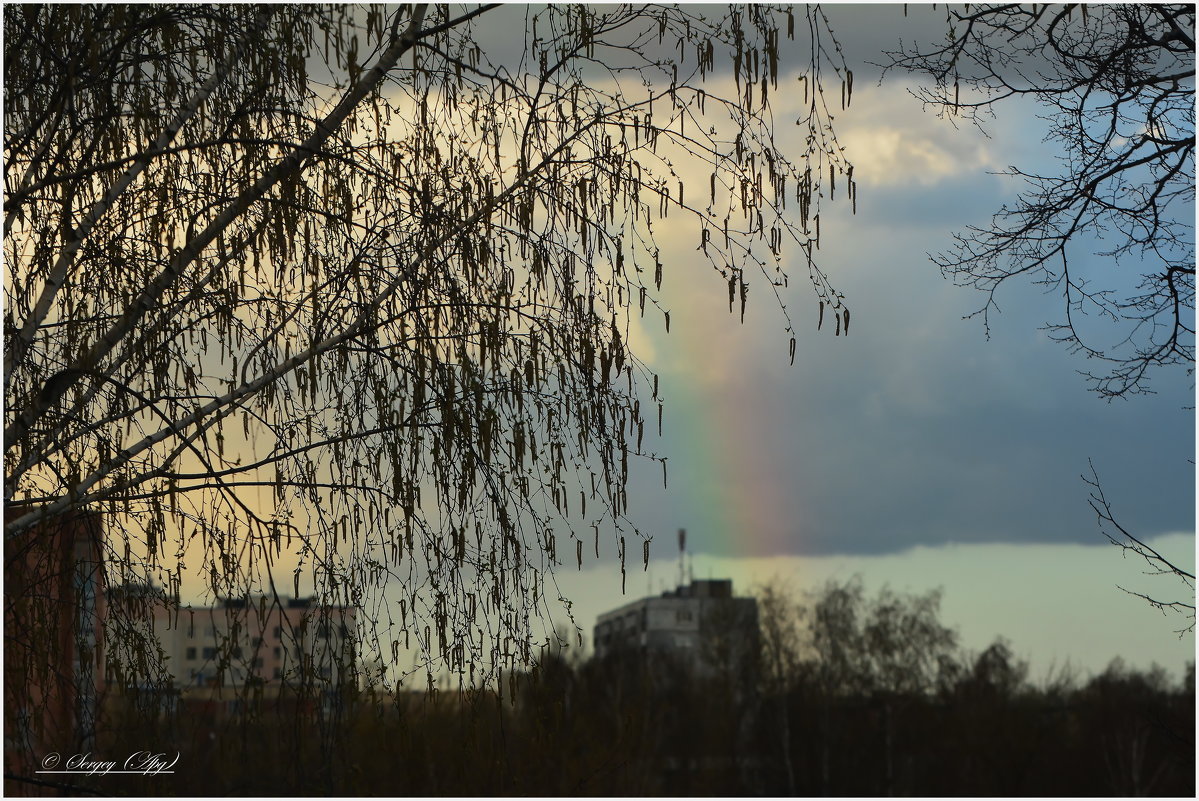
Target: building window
<point>278,632</point>
<point>210,653</point>
<point>278,652</point>
<point>278,673</point>
<point>257,641</point>
<point>258,663</point>
<point>191,653</point>
<point>237,652</point>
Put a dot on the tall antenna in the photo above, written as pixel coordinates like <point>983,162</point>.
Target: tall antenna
<point>682,554</point>
<point>682,558</point>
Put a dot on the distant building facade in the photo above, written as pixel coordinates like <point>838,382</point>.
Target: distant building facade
<point>701,623</point>
<point>255,640</point>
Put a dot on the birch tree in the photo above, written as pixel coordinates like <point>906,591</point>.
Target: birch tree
<point>345,295</point>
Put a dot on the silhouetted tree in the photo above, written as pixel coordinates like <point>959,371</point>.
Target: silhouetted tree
<point>1159,565</point>
<point>780,621</point>
<point>628,725</point>
<point>1112,231</point>
<point>347,294</point>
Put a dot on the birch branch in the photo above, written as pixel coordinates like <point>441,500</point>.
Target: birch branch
<point>152,295</point>
<point>66,260</point>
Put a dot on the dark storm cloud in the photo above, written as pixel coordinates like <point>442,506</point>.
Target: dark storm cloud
<point>862,30</point>
<point>982,469</point>
<point>934,433</point>
<point>866,31</point>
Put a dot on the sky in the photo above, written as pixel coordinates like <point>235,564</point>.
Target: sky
<point>917,451</point>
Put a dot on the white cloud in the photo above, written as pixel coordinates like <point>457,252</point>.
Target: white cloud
<point>891,141</point>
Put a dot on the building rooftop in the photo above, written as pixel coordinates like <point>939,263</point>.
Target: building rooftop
<point>702,588</point>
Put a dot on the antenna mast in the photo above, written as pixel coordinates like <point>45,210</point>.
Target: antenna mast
<point>682,555</point>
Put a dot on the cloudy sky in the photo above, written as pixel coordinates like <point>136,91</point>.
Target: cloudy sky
<point>916,451</point>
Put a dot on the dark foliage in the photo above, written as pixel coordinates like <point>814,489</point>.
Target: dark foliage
<point>626,726</point>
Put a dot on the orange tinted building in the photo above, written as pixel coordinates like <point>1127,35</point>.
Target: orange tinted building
<point>54,607</point>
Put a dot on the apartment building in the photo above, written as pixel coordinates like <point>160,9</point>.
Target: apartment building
<point>253,640</point>
<point>702,623</point>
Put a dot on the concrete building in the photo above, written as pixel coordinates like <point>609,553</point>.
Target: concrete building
<point>702,623</point>
<point>255,640</point>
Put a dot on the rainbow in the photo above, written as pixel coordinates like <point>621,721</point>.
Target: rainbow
<point>721,486</point>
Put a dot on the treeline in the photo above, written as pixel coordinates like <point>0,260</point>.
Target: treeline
<point>847,695</point>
